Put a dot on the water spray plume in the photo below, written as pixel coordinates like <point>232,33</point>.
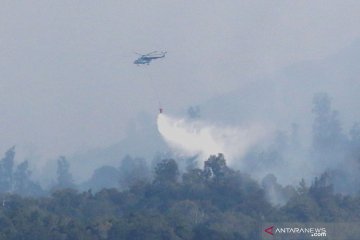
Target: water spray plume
<point>193,137</point>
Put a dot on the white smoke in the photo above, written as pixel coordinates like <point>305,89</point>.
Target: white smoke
<point>194,137</point>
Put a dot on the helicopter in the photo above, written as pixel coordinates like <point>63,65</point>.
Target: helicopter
<point>147,58</point>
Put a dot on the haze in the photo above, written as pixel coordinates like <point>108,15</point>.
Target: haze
<point>68,85</point>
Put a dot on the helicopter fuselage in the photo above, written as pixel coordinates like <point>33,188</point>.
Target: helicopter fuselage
<point>146,59</point>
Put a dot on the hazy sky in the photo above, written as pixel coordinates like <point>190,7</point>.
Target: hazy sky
<point>67,82</point>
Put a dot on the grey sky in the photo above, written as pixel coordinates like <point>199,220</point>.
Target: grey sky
<point>67,82</point>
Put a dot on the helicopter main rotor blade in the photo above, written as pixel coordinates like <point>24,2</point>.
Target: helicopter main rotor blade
<point>151,53</point>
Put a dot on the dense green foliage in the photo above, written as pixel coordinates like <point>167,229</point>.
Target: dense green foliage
<point>215,202</point>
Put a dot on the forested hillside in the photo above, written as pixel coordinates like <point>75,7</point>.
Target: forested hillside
<point>172,198</point>
<point>215,202</point>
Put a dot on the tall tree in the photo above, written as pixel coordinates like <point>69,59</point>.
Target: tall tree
<point>166,171</point>
<point>215,166</point>
<point>6,170</point>
<point>22,183</point>
<point>64,177</point>
<point>22,177</point>
<point>327,131</point>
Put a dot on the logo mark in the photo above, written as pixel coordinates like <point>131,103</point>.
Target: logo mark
<point>269,230</point>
